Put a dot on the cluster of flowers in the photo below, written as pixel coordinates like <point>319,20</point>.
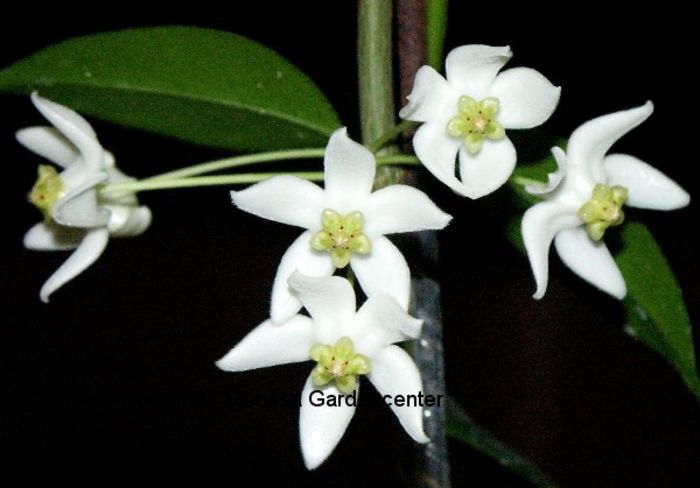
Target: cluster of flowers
<point>465,118</point>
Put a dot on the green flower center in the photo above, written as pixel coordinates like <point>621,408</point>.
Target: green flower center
<point>603,210</point>
<point>475,121</point>
<point>340,363</point>
<point>46,190</point>
<point>341,236</point>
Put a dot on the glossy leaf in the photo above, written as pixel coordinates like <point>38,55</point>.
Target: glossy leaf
<point>206,86</point>
<point>462,428</point>
<point>655,311</point>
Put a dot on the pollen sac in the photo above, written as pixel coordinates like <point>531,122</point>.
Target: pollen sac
<point>339,363</point>
<point>46,190</point>
<point>475,121</point>
<point>603,210</point>
<point>341,236</point>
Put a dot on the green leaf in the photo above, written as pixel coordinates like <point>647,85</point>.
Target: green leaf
<point>462,428</point>
<point>205,86</point>
<point>436,28</point>
<point>655,313</point>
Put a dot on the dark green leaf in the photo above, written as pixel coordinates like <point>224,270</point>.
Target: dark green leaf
<point>436,27</point>
<point>655,311</point>
<point>462,428</point>
<point>656,314</point>
<point>201,85</point>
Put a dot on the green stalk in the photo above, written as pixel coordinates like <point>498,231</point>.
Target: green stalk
<point>436,27</point>
<point>200,181</point>
<point>397,159</point>
<point>375,68</point>
<point>264,157</point>
<point>269,157</point>
<point>172,181</point>
<point>390,135</point>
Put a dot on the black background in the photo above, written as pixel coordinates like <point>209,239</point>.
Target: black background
<point>115,379</point>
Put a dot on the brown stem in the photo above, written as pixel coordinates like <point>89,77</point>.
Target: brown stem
<point>411,42</point>
<point>433,468</point>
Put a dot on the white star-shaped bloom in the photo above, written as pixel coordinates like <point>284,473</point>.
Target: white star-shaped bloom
<point>345,344</point>
<point>345,224</point>
<point>468,114</point>
<point>585,197</point>
<point>76,215</point>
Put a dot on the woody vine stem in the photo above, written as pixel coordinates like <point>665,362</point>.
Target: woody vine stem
<point>377,114</point>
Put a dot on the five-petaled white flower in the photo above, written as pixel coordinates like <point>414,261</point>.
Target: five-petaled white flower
<point>468,112</point>
<point>585,196</point>
<point>345,344</point>
<point>76,215</point>
<point>345,224</point>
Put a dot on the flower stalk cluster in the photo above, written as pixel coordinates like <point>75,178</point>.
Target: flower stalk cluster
<point>465,118</point>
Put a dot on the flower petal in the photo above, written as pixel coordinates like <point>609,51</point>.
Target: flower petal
<point>329,300</point>
<point>48,142</point>
<point>489,169</point>
<point>76,129</point>
<point>127,221</point>
<point>91,248</point>
<point>648,187</point>
<point>472,68</point>
<point>527,99</point>
<point>589,143</point>
<point>51,237</point>
<point>540,224</point>
<point>79,207</point>
<point>553,179</point>
<point>271,344</point>
<point>384,270</point>
<point>286,199</point>
<point>384,311</point>
<point>430,99</point>
<point>380,322</point>
<point>321,426</point>
<point>590,260</point>
<point>437,150</point>
<point>300,257</point>
<point>394,373</point>
<point>402,208</point>
<point>349,170</point>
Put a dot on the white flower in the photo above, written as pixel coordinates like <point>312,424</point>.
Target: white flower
<point>585,197</point>
<point>345,344</point>
<point>468,112</point>
<point>345,224</point>
<point>76,215</point>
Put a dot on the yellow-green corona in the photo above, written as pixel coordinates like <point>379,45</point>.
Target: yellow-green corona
<point>341,235</point>
<point>340,363</point>
<point>46,190</point>
<point>475,120</point>
<point>603,210</point>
